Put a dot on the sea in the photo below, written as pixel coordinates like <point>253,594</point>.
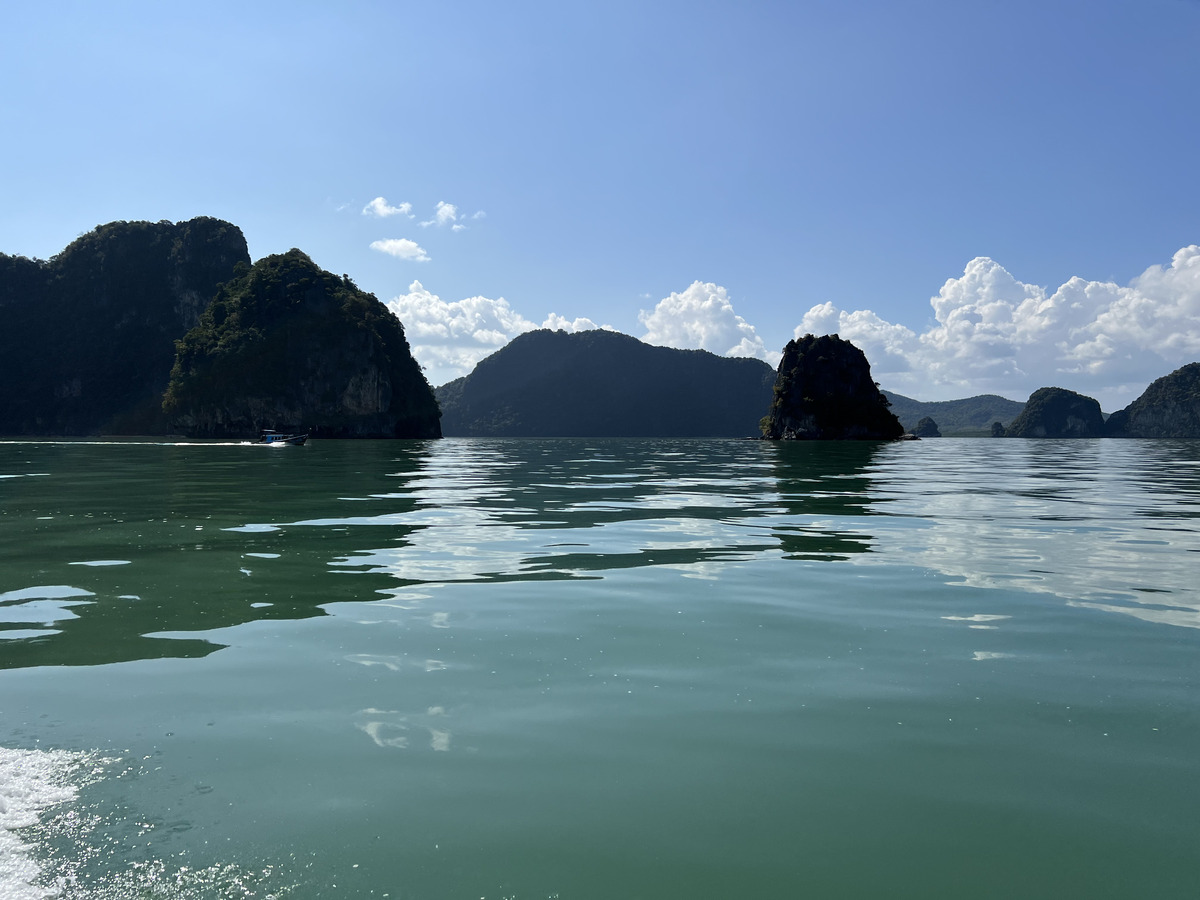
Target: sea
<point>483,669</point>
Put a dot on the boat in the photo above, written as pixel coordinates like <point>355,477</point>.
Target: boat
<point>278,437</point>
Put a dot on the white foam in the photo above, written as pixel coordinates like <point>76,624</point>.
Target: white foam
<point>31,781</point>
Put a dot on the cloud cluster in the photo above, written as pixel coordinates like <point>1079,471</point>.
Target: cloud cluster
<point>994,334</point>
<point>449,337</point>
<point>444,214</point>
<point>990,332</point>
<point>702,318</point>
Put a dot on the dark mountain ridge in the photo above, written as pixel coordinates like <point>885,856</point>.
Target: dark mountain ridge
<point>971,416</point>
<point>601,383</point>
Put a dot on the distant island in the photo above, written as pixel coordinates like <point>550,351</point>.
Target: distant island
<point>1053,412</point>
<point>1168,408</point>
<point>601,383</point>
<point>970,417</point>
<point>155,328</point>
<point>823,391</point>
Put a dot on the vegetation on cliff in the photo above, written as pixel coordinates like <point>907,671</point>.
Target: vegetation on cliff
<point>288,345</point>
<point>1168,408</point>
<point>89,336</point>
<point>604,384</point>
<point>823,390</point>
<point>1054,412</point>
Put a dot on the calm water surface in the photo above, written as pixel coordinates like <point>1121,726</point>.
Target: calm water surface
<point>600,669</point>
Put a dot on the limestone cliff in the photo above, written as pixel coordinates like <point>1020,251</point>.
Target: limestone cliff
<point>289,346</point>
<point>89,336</point>
<point>1168,408</point>
<point>823,390</point>
<point>1053,412</point>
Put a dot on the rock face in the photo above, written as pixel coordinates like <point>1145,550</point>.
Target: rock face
<point>89,336</point>
<point>1168,408</point>
<point>289,346</point>
<point>823,390</point>
<point>926,428</point>
<point>1054,412</point>
<point>604,384</point>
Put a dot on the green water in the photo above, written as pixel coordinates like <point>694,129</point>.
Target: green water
<point>604,669</point>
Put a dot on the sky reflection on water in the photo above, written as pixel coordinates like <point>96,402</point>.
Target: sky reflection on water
<point>177,543</point>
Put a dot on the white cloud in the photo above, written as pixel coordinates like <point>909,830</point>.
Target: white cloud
<point>702,318</point>
<point>401,247</point>
<point>555,322</point>
<point>380,208</point>
<point>995,334</point>
<point>444,214</point>
<point>450,337</point>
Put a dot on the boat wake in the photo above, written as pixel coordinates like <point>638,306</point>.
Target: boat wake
<point>47,842</point>
<point>33,782</point>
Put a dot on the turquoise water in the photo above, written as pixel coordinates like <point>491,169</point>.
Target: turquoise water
<point>600,669</point>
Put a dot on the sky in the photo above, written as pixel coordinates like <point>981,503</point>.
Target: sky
<point>986,197</point>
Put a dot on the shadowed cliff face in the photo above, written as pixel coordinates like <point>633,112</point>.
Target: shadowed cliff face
<point>824,391</point>
<point>289,346</point>
<point>1058,413</point>
<point>1168,408</point>
<point>89,336</point>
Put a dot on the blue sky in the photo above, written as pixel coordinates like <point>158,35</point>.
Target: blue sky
<point>984,196</point>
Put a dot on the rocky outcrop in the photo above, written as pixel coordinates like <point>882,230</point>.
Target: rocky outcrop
<point>289,346</point>
<point>89,336</point>
<point>1054,412</point>
<point>823,390</point>
<point>926,428</point>
<point>1168,408</point>
<point>604,384</point>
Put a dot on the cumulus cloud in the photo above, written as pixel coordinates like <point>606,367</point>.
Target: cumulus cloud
<point>448,337</point>
<point>401,247</point>
<point>702,318</point>
<point>555,322</point>
<point>444,214</point>
<point>995,334</point>
<point>382,209</point>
